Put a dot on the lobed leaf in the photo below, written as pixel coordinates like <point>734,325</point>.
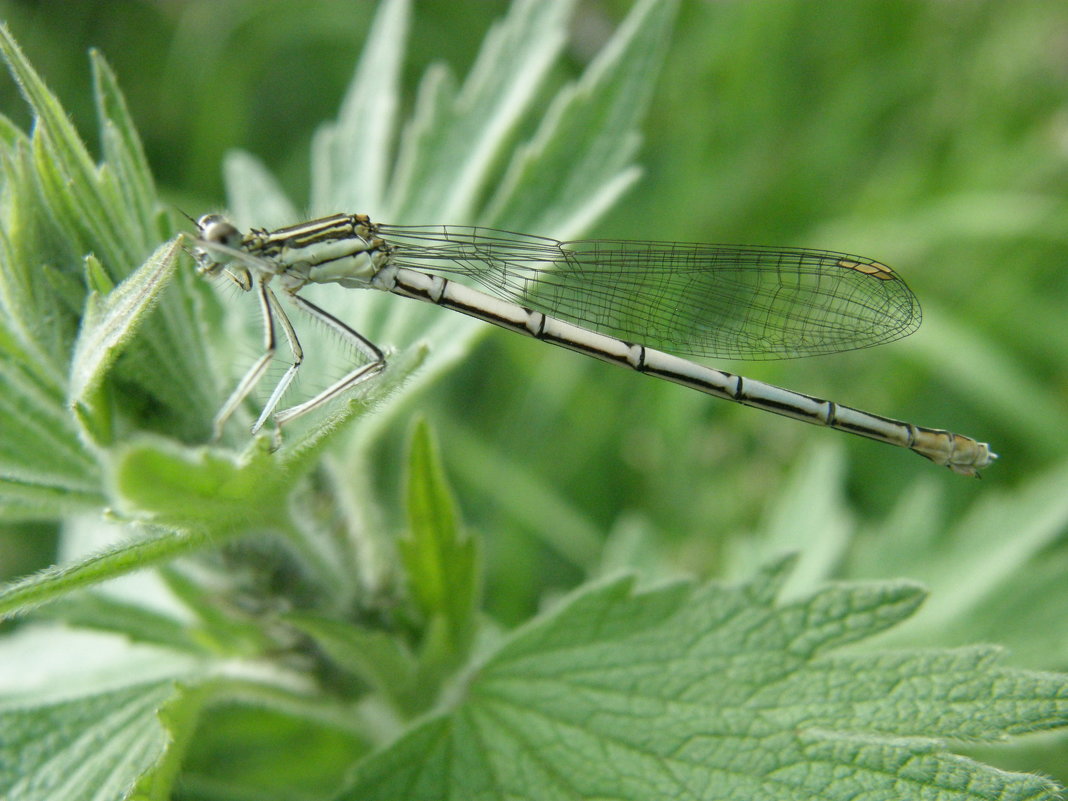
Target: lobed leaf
<point>720,692</point>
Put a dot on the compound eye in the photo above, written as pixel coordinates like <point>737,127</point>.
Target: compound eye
<point>218,230</point>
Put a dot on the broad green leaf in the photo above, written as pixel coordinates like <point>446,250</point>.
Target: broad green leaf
<point>88,748</point>
<point>80,713</point>
<point>720,692</point>
<point>43,500</point>
<point>89,716</point>
<point>578,163</point>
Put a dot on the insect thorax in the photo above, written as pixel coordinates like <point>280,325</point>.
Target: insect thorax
<point>341,249</point>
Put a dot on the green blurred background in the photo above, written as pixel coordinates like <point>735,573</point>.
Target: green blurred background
<point>932,136</point>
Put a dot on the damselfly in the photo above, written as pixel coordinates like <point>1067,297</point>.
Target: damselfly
<point>627,302</point>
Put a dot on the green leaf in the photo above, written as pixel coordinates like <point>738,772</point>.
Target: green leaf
<point>376,657</point>
<point>603,112</point>
<point>120,560</point>
<point>351,157</point>
<point>683,692</point>
<point>44,498</point>
<point>107,326</point>
<point>96,277</point>
<point>89,748</point>
<point>255,196</point>
<point>26,301</point>
<point>102,612</point>
<point>84,728</point>
<point>10,134</point>
<point>69,178</point>
<point>443,576</point>
<point>451,146</point>
<point>123,152</point>
<point>203,489</point>
<point>441,562</point>
<point>109,211</point>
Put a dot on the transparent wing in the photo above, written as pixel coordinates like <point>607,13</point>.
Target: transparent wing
<point>719,301</point>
